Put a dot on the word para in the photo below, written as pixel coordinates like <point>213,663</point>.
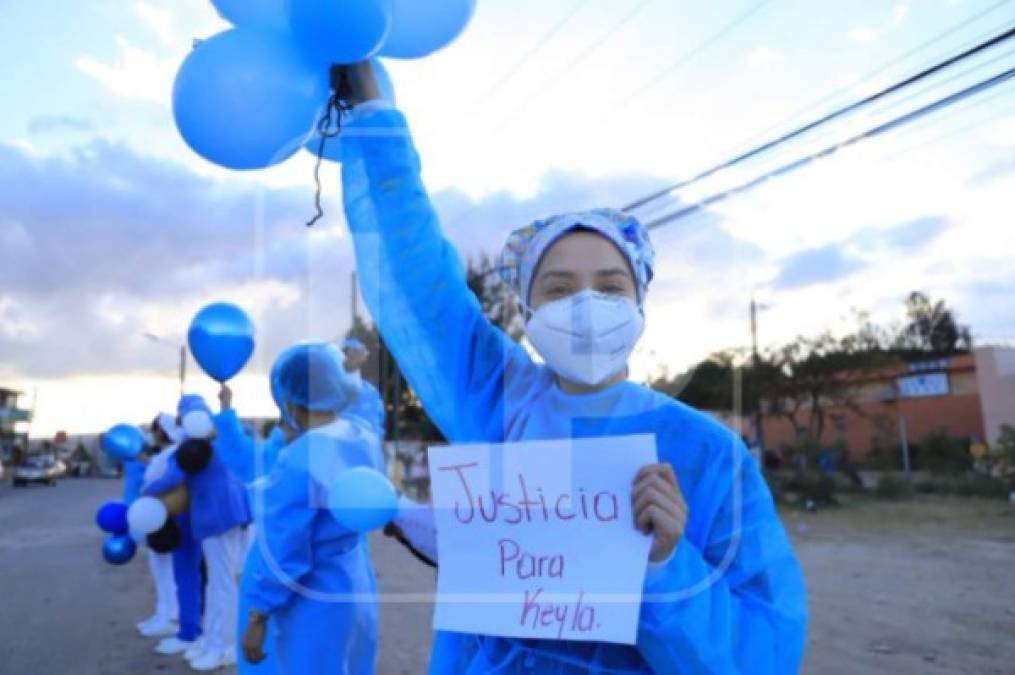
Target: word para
<point>526,565</point>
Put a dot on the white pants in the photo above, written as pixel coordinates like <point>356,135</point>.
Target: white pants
<point>160,565</point>
<point>222,555</point>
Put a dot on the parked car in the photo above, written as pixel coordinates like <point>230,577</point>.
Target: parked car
<point>38,470</point>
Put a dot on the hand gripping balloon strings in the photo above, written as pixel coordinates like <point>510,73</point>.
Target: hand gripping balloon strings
<point>330,126</point>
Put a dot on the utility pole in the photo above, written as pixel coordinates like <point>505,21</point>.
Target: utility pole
<point>183,358</point>
<point>355,299</point>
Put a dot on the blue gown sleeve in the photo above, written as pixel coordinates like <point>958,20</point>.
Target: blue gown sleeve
<point>414,284</point>
<point>234,446</point>
<point>284,533</point>
<point>133,479</point>
<point>735,604</point>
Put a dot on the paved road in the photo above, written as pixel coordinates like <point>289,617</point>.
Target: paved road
<point>918,587</point>
<point>64,610</point>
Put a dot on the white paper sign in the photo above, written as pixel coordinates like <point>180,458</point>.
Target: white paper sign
<point>537,539</point>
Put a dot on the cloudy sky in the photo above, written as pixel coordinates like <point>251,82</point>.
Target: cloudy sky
<point>110,227</point>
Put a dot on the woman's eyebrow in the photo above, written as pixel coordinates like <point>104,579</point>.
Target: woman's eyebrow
<point>614,272</point>
<point>557,274</point>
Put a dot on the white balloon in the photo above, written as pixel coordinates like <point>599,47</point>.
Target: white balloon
<point>198,424</point>
<point>146,515</point>
<point>139,538</point>
<point>421,27</point>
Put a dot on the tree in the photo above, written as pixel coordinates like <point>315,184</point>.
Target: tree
<point>405,416</point>
<point>932,327</point>
<point>497,300</point>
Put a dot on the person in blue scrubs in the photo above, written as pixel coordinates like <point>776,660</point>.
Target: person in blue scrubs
<point>219,513</point>
<point>582,281</point>
<point>368,406</point>
<point>310,576</point>
<point>251,461</point>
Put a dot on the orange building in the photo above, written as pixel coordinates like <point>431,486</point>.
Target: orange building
<point>969,396</point>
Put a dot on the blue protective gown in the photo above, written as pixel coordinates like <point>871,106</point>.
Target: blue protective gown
<point>368,407</point>
<point>249,461</point>
<point>133,479</point>
<point>309,573</point>
<point>479,386</point>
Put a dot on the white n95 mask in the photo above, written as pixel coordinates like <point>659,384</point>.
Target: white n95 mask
<point>586,337</point>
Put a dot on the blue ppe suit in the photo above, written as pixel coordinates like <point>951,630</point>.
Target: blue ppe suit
<point>249,461</point>
<point>309,573</point>
<point>245,457</point>
<point>133,479</point>
<point>479,386</point>
<point>368,407</point>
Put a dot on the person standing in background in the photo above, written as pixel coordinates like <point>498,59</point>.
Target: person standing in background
<point>164,435</point>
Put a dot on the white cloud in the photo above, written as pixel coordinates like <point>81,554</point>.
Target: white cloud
<point>765,58</point>
<point>862,34</point>
<point>137,74</point>
<point>159,20</point>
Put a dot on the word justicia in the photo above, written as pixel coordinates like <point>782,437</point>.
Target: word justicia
<point>529,504</point>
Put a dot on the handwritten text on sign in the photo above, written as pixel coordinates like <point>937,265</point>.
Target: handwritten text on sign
<point>536,539</point>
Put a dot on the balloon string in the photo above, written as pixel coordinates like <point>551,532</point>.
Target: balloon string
<point>330,126</point>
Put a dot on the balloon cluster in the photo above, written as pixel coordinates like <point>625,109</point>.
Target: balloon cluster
<point>119,547</point>
<point>250,97</point>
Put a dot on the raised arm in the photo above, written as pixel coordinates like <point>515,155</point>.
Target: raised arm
<point>414,284</point>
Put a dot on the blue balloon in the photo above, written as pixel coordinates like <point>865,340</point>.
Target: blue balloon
<point>247,98</point>
<point>333,148</point>
<point>123,442</point>
<point>421,27</point>
<point>253,13</point>
<point>118,549</point>
<point>221,338</point>
<point>112,518</point>
<point>362,499</point>
<point>339,31</point>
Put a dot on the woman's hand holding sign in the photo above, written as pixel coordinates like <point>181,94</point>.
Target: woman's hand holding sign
<point>659,508</point>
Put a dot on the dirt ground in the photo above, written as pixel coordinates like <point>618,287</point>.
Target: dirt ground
<point>914,587</point>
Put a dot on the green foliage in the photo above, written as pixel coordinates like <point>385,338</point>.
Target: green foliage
<point>966,485</point>
<point>1005,446</point>
<point>940,453</point>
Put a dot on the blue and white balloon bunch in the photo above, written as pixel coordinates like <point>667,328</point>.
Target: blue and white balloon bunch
<point>250,97</point>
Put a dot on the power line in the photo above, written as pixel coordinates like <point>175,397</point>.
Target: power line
<point>574,62</point>
<point>694,51</point>
<point>893,105</point>
<point>824,120</point>
<point>882,68</point>
<point>832,149</point>
<point>598,42</point>
<point>532,52</point>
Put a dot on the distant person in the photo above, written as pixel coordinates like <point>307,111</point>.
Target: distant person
<point>219,514</point>
<point>368,406</point>
<point>164,622</point>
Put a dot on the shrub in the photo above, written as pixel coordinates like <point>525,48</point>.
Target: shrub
<point>890,487</point>
<point>940,453</point>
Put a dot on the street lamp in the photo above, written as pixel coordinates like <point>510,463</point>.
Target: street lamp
<point>183,357</point>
